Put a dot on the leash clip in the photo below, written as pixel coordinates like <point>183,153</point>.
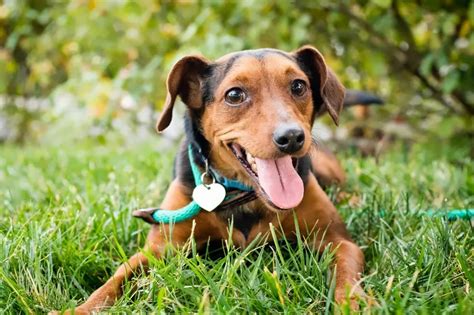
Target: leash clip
<point>204,175</point>
<point>207,173</point>
<point>208,196</point>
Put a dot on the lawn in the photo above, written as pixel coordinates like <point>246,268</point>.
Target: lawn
<point>66,224</point>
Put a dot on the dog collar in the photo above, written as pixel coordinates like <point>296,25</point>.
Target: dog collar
<point>236,194</point>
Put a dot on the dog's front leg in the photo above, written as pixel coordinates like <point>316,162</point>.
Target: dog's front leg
<point>160,235</point>
<point>108,293</point>
<point>319,220</point>
<point>348,266</point>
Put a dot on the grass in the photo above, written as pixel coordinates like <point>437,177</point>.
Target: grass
<point>65,225</point>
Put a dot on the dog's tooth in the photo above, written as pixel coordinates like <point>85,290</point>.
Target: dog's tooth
<point>253,165</point>
<point>250,158</point>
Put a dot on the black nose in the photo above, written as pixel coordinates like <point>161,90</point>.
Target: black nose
<point>289,138</point>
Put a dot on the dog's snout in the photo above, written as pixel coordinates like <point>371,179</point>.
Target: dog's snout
<point>289,138</point>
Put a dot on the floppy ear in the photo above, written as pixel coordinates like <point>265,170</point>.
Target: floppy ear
<point>185,79</point>
<point>328,92</point>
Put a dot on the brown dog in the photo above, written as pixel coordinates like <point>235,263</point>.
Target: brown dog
<point>249,118</point>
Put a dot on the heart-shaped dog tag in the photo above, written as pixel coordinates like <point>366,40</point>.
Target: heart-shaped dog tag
<point>209,196</point>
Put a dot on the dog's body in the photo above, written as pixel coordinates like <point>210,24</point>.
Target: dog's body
<point>250,116</point>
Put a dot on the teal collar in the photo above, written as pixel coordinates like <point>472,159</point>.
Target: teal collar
<point>237,194</point>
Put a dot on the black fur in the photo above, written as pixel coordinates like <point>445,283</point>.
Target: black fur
<point>194,136</point>
<point>354,97</point>
<point>243,219</point>
<point>210,83</point>
<point>304,167</point>
<point>230,63</point>
<point>307,65</point>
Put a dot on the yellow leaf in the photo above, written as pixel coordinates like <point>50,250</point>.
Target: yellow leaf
<point>465,29</point>
<point>4,12</point>
<point>92,4</point>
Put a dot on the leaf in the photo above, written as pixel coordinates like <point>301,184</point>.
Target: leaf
<point>470,12</point>
<point>274,284</point>
<point>382,3</point>
<point>449,24</point>
<point>426,64</point>
<point>451,81</point>
<point>441,59</point>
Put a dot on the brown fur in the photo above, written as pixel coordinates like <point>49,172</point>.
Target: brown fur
<point>266,78</point>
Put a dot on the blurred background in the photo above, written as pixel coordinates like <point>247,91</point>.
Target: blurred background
<point>95,70</point>
<point>82,83</point>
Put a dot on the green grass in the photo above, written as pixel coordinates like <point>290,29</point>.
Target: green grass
<point>65,225</point>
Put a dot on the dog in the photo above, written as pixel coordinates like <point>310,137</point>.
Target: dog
<point>248,121</point>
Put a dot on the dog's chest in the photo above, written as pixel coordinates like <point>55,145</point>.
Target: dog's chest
<point>242,218</point>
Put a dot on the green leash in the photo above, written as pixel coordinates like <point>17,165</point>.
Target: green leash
<point>451,215</point>
<point>154,215</point>
<point>187,212</point>
<point>169,216</point>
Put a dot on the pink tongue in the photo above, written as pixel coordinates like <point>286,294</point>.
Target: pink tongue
<point>280,181</point>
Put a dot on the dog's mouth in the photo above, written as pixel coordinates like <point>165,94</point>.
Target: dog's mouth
<point>277,180</point>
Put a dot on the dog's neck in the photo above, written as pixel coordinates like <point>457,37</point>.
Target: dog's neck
<point>203,151</point>
<point>194,135</point>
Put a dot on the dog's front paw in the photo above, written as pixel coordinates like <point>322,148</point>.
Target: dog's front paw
<point>344,301</point>
<point>352,298</point>
<point>69,312</point>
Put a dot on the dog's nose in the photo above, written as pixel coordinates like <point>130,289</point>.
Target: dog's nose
<point>289,138</point>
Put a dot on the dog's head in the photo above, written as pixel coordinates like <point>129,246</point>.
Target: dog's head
<point>256,109</point>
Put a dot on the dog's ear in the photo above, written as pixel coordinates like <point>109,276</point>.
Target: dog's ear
<point>328,92</point>
<point>185,79</point>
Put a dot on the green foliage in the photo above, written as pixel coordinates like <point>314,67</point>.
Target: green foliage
<point>113,56</point>
<point>66,224</point>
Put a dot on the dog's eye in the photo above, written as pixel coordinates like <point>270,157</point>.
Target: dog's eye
<point>235,96</point>
<point>298,87</point>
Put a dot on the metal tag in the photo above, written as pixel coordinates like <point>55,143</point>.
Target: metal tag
<point>209,197</point>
